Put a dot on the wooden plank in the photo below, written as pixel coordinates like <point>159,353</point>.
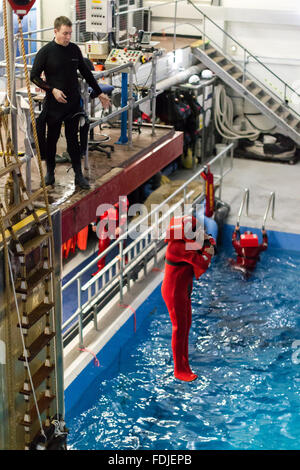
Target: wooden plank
<point>37,346</point>
<point>36,314</point>
<point>41,375</point>
<point>43,403</point>
<point>33,281</point>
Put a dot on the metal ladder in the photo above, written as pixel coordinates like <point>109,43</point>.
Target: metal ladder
<point>33,255</point>
<point>245,203</point>
<point>26,236</point>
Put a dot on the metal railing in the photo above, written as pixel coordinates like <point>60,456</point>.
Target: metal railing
<point>131,102</point>
<point>245,203</point>
<point>284,92</point>
<point>144,247</point>
<point>245,200</point>
<point>271,203</point>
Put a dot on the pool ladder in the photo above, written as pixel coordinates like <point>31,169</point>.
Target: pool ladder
<point>245,201</point>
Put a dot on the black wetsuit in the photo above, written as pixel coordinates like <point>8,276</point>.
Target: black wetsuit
<point>60,64</point>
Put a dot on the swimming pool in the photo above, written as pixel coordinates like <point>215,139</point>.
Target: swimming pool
<point>241,346</point>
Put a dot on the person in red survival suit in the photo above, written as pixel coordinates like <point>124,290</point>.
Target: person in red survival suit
<point>247,249</point>
<point>185,257</point>
<point>117,216</point>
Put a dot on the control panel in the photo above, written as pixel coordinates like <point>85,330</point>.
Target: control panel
<point>118,57</point>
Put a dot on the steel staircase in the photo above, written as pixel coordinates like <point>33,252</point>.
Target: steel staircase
<point>275,103</point>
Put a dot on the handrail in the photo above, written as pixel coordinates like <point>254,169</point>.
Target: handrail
<point>286,85</point>
<point>245,199</point>
<point>271,200</point>
<point>157,209</point>
<point>123,270</point>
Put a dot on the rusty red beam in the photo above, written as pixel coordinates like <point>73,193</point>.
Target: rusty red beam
<point>83,212</point>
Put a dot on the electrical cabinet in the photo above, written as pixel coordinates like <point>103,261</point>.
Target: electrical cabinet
<point>98,16</point>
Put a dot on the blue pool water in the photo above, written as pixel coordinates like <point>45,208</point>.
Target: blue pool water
<point>247,395</point>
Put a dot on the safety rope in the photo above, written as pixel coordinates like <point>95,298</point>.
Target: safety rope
<point>8,85</point>
<point>96,361</point>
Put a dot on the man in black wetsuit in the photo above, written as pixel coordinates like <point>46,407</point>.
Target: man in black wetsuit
<point>59,60</point>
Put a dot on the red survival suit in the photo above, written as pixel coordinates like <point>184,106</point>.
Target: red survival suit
<point>117,215</point>
<point>180,267</point>
<point>247,249</point>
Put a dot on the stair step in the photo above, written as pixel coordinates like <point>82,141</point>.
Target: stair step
<point>279,110</point>
<point>43,403</point>
<point>199,43</point>
<point>36,314</point>
<point>37,346</point>
<point>218,59</point>
<point>257,91</point>
<point>248,82</point>
<point>20,207</point>
<point>285,115</point>
<point>265,99</point>
<point>37,379</point>
<point>275,107</point>
<point>33,281</point>
<point>237,75</point>
<point>294,122</point>
<point>11,167</point>
<point>210,51</point>
<point>228,67</point>
<point>29,246</point>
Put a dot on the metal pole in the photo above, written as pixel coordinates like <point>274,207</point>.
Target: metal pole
<point>86,108</point>
<point>203,36</point>
<point>117,25</point>
<point>130,111</point>
<point>245,198</point>
<point>174,36</point>
<point>231,158</point>
<point>221,177</point>
<point>29,47</point>
<point>156,236</point>
<point>285,100</point>
<point>124,98</point>
<point>80,324</point>
<point>244,66</point>
<point>153,93</point>
<point>95,318</point>
<point>57,317</point>
<point>121,270</point>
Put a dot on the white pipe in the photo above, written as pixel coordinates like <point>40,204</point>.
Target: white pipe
<point>180,77</point>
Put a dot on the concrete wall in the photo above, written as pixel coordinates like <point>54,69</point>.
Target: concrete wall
<point>50,10</point>
<point>266,4</point>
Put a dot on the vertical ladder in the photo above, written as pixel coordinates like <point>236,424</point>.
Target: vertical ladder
<point>34,286</point>
<point>31,308</point>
